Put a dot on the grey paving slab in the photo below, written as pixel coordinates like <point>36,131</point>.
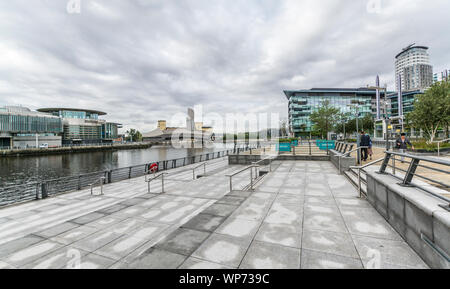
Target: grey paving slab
<point>64,258</point>
<point>105,222</point>
<point>320,260</point>
<point>112,209</point>
<point>83,220</point>
<point>223,249</point>
<point>231,200</point>
<point>318,190</point>
<point>329,242</point>
<point>291,214</point>
<point>158,259</point>
<point>74,235</point>
<point>241,194</point>
<point>57,230</point>
<point>204,222</point>
<point>198,264</point>
<point>133,202</point>
<point>125,226</point>
<point>4,265</point>
<point>321,201</point>
<point>239,228</point>
<point>389,252</point>
<point>220,210</point>
<point>285,235</point>
<point>183,241</point>
<point>120,247</point>
<point>93,261</point>
<point>95,241</point>
<point>353,202</point>
<point>27,255</point>
<point>262,255</point>
<point>17,245</point>
<point>324,222</point>
<point>367,222</point>
<point>148,230</point>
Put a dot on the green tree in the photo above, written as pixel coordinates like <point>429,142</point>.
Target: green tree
<point>134,135</point>
<point>431,110</point>
<point>324,118</point>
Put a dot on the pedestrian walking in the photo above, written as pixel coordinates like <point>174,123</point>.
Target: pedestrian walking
<point>365,143</point>
<point>402,144</point>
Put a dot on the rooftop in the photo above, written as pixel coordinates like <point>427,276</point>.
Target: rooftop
<point>50,110</point>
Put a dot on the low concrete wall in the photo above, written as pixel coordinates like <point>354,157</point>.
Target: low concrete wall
<point>250,159</point>
<point>346,162</point>
<point>414,214</point>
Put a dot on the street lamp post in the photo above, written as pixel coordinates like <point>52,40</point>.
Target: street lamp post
<point>386,118</point>
<point>355,104</point>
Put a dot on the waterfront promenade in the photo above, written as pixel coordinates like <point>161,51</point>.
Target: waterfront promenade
<point>302,215</point>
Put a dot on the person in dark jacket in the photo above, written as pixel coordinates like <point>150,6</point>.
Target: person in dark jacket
<point>365,141</point>
<point>402,144</point>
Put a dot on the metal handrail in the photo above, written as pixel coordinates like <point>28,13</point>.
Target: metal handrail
<point>359,168</point>
<point>344,154</point>
<point>439,145</point>
<point>154,178</point>
<point>102,181</point>
<point>411,172</point>
<point>240,172</point>
<point>193,170</point>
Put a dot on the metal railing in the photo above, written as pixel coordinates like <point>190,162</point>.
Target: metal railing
<point>360,168</point>
<point>148,181</point>
<point>195,168</point>
<point>42,189</point>
<point>240,172</point>
<point>346,154</point>
<point>101,181</point>
<point>439,145</point>
<point>411,172</point>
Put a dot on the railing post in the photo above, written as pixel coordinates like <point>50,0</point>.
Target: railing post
<point>359,183</point>
<point>251,179</point>
<point>162,181</point>
<point>410,173</point>
<point>79,182</point>
<point>393,166</point>
<point>129,173</point>
<point>385,163</point>
<point>231,184</point>
<point>44,191</point>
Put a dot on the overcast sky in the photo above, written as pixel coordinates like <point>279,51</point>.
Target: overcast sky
<point>144,60</point>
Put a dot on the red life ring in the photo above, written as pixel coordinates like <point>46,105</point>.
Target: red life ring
<point>153,168</point>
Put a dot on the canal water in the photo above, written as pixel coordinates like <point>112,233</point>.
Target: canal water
<point>21,170</point>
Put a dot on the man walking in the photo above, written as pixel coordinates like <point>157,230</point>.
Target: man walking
<point>365,142</point>
<point>402,145</point>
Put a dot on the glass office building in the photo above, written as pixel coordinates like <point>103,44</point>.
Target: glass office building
<point>82,126</point>
<point>20,123</point>
<point>302,103</point>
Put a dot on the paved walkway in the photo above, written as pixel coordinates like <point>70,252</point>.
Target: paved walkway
<point>303,215</point>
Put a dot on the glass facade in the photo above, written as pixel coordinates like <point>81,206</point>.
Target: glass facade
<point>303,103</point>
<point>25,124</point>
<point>110,130</point>
<point>408,102</point>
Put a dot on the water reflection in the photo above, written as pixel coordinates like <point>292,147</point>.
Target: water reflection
<point>22,170</point>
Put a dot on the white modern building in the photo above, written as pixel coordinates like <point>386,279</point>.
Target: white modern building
<point>413,69</point>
